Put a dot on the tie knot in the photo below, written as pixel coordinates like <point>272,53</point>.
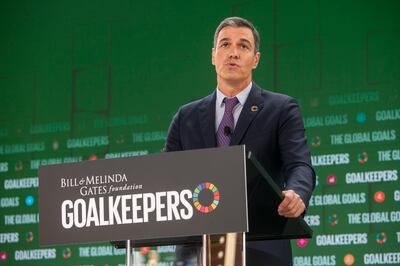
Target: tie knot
<point>230,103</point>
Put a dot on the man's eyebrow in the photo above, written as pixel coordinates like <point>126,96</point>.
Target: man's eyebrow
<point>246,41</point>
<point>228,39</point>
<point>224,39</point>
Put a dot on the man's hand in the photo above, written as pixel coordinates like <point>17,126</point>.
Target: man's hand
<point>292,205</point>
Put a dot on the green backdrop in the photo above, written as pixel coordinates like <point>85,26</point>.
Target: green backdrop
<point>84,80</point>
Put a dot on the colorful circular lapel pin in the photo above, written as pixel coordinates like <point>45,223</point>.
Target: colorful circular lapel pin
<point>254,108</point>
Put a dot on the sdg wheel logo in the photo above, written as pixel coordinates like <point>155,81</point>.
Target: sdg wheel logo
<point>66,253</point>
<point>380,238</point>
<point>315,141</point>
<point>362,157</point>
<point>215,194</point>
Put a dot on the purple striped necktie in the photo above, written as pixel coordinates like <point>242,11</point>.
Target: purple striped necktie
<point>226,127</point>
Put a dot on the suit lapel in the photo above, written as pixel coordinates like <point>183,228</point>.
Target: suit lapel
<point>207,120</point>
<point>251,108</point>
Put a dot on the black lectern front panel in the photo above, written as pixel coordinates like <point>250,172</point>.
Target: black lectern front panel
<point>150,198</point>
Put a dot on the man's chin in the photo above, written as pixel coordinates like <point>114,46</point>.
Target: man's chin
<point>234,79</point>
<point>232,76</point>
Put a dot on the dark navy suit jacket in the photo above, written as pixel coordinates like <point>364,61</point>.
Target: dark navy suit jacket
<point>271,127</point>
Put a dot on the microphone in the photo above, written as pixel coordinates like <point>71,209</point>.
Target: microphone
<point>227,131</point>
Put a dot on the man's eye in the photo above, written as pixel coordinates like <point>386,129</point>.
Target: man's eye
<point>225,44</point>
<point>245,47</point>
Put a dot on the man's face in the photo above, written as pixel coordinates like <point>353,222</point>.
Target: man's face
<point>233,56</point>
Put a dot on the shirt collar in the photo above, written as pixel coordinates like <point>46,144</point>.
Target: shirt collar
<point>241,96</point>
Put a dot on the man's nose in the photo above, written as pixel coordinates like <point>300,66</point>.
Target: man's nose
<point>233,53</point>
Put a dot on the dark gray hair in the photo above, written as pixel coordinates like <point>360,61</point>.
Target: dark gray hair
<point>238,22</point>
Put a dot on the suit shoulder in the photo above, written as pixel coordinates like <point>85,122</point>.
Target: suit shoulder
<point>276,97</point>
<point>196,104</point>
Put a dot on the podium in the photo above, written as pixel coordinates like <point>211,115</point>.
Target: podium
<point>164,199</point>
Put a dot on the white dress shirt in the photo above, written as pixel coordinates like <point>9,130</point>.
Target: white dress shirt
<point>220,105</point>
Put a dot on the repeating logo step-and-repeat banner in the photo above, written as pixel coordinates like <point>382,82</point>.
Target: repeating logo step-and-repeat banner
<point>354,210</point>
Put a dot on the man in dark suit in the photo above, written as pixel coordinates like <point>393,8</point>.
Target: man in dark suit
<point>240,112</point>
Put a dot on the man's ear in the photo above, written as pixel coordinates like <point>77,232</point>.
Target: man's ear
<point>256,59</point>
<point>212,56</point>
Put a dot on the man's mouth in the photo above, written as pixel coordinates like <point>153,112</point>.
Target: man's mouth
<point>231,64</point>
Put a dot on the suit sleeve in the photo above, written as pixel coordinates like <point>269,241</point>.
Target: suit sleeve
<point>295,155</point>
<point>173,142</point>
